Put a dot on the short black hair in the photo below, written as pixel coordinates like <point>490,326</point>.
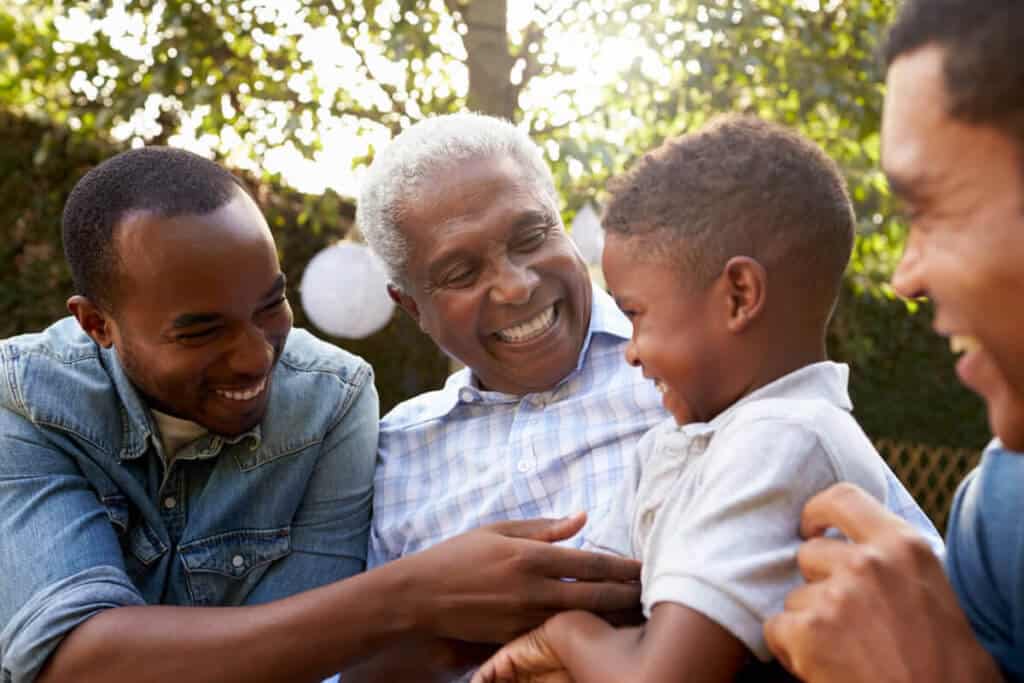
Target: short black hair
<point>983,68</point>
<point>164,180</point>
<point>740,186</point>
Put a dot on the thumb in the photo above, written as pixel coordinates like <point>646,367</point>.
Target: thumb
<point>547,530</point>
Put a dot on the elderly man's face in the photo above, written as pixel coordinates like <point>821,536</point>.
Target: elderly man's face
<point>962,185</point>
<point>494,279</point>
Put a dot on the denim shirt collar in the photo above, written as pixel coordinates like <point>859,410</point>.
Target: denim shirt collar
<point>139,429</point>
<point>462,387</point>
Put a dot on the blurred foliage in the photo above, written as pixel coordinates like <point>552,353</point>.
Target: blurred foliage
<point>246,78</point>
<point>35,282</point>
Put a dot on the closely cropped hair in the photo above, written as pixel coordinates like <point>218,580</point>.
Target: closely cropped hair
<point>169,182</point>
<point>984,68</point>
<point>401,172</point>
<point>738,187</point>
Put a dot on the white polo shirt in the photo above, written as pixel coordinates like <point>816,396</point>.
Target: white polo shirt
<point>714,513</point>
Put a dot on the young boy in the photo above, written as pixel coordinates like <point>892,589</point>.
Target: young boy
<point>726,249</point>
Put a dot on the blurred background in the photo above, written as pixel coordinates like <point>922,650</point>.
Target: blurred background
<point>296,96</point>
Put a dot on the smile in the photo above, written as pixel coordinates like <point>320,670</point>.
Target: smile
<point>243,394</point>
<point>529,330</point>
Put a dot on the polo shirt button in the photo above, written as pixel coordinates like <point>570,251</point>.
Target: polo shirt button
<point>524,466</point>
<point>466,395</point>
<point>237,561</point>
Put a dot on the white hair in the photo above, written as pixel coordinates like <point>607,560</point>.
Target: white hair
<point>400,172</point>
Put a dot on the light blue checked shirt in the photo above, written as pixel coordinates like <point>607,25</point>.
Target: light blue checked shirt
<point>454,459</point>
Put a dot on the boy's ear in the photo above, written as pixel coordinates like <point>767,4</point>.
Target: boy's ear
<point>747,283</point>
<point>404,301</point>
<point>92,319</point>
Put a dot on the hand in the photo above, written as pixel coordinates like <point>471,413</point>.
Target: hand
<point>878,608</point>
<point>496,582</point>
<point>527,659</point>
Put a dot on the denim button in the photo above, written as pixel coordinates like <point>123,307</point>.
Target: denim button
<point>170,503</point>
<point>237,561</point>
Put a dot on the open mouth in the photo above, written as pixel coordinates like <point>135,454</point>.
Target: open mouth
<point>529,330</point>
<point>243,394</point>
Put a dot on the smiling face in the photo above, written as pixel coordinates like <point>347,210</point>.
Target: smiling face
<point>681,335</point>
<point>963,188</point>
<point>201,315</point>
<point>493,277</point>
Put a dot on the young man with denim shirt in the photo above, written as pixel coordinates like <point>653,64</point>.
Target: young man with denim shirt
<point>545,417</point>
<point>952,144</point>
<point>177,445</point>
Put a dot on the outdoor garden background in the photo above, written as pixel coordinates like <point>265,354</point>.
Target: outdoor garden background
<point>297,95</point>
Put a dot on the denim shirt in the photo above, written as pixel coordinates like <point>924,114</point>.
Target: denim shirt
<point>91,518</point>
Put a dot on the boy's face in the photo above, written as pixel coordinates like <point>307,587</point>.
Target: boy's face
<point>962,185</point>
<point>680,338</point>
<point>494,279</point>
<point>201,315</point>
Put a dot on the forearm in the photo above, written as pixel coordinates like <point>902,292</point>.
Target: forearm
<point>594,651</point>
<point>302,638</point>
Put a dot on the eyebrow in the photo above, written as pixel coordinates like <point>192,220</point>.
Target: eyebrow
<point>190,319</point>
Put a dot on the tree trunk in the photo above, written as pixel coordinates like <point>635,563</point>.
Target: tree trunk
<point>490,63</point>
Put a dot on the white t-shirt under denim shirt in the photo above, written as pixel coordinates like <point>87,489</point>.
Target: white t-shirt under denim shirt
<point>714,512</point>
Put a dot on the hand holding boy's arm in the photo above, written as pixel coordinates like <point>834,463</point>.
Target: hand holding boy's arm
<point>879,607</point>
<point>678,643</point>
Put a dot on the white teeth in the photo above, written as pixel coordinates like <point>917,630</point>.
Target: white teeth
<point>962,343</point>
<point>246,395</point>
<point>530,329</point>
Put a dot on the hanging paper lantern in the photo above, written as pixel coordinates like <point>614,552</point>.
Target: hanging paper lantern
<point>587,234</point>
<point>344,291</point>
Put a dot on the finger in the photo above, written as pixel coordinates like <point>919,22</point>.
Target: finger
<point>547,530</point>
<point>819,557</point>
<point>804,597</point>
<point>595,596</point>
<point>850,510</point>
<point>779,635</point>
<point>581,565</point>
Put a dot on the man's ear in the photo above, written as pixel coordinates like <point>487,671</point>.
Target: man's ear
<point>92,319</point>
<point>747,284</point>
<point>404,301</point>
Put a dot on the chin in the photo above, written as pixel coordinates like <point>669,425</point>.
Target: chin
<point>1008,425</point>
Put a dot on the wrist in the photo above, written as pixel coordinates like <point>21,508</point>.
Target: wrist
<point>409,602</point>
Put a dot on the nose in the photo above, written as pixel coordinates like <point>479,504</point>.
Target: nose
<point>632,357</point>
<point>252,354</point>
<point>514,284</point>
<point>908,280</point>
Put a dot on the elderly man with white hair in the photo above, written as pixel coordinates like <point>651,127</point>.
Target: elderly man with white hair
<point>544,418</point>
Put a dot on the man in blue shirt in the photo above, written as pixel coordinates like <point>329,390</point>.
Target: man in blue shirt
<point>177,445</point>
<point>953,143</point>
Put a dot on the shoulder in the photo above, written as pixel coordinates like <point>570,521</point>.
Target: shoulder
<point>985,553</point>
<point>316,383</point>
<point>802,437</point>
<point>306,354</point>
<point>985,533</point>
<point>44,375</point>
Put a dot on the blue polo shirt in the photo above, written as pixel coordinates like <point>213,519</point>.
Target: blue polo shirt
<point>985,555</point>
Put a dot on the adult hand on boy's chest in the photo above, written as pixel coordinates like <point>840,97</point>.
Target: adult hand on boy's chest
<point>878,608</point>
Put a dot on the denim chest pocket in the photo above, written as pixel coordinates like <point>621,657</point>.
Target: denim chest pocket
<point>223,569</point>
<point>140,546</point>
